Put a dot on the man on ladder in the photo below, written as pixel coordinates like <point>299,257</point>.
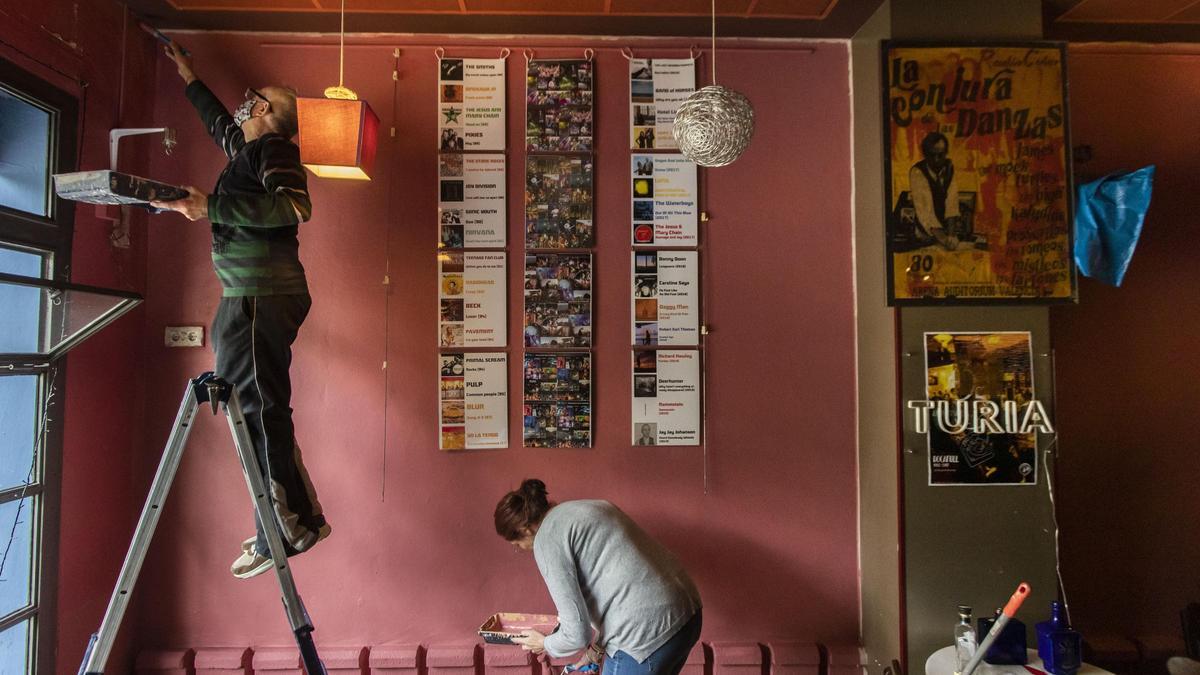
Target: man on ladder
<point>260,199</point>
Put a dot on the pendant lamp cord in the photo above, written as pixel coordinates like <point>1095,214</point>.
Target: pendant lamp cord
<point>342,45</point>
<point>714,41</point>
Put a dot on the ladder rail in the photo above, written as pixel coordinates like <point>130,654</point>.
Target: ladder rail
<point>101,642</point>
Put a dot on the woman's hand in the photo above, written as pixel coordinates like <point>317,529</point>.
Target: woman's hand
<point>531,641</point>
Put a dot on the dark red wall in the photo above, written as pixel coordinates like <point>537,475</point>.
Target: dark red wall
<point>1126,359</point>
<point>96,43</point>
<point>413,556</point>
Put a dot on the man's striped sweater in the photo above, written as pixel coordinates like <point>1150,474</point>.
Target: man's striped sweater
<point>256,207</point>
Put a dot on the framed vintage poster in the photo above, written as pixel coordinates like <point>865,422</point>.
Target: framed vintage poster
<point>472,299</point>
<point>657,87</point>
<point>558,201</point>
<point>558,106</point>
<point>558,300</point>
<point>665,303</point>
<point>664,207</point>
<point>977,175</point>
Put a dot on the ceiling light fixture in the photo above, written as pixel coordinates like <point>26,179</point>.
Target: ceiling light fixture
<point>338,133</point>
<point>714,125</point>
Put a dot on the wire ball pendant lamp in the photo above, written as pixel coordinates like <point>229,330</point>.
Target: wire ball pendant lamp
<point>714,125</point>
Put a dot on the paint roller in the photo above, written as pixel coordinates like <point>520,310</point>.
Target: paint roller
<point>162,38</point>
<point>1006,614</point>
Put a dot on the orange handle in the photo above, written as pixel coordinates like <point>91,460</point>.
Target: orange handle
<point>1018,596</point>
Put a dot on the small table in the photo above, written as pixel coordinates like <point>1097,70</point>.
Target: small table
<point>941,662</point>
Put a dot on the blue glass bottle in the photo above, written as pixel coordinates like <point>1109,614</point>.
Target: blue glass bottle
<point>1058,645</point>
<point>1009,647</point>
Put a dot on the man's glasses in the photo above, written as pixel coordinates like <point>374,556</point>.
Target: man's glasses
<point>254,93</point>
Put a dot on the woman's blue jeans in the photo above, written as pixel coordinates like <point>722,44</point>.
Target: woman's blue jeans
<point>666,660</point>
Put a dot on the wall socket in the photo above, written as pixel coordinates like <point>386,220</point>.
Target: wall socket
<point>185,336</point>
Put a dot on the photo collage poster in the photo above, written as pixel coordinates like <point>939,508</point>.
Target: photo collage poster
<point>558,202</point>
<point>558,300</point>
<point>471,200</point>
<point>657,87</point>
<point>557,408</point>
<point>664,208</point>
<point>666,298</point>
<point>977,174</point>
<point>471,104</point>
<point>472,302</point>
<point>558,106</point>
<point>666,397</point>
<point>965,367</point>
<point>473,400</point>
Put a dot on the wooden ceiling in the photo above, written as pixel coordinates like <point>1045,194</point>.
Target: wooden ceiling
<point>737,18</point>
<point>1129,20</point>
<point>780,9</point>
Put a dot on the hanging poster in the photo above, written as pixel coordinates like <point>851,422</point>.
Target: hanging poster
<point>557,410</point>
<point>558,201</point>
<point>979,387</point>
<point>558,300</point>
<point>473,400</point>
<point>471,299</point>
<point>665,307</point>
<point>471,190</point>
<point>664,200</point>
<point>470,104</point>
<point>977,181</point>
<point>666,397</point>
<point>558,106</point>
<point>657,87</point>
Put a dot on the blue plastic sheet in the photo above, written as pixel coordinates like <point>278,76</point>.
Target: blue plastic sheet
<point>1109,213</point>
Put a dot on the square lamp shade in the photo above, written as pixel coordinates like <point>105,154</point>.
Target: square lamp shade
<point>337,137</point>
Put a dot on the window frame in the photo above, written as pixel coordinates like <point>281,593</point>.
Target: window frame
<point>51,235</point>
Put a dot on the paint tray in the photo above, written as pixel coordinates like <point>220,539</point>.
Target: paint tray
<point>113,187</point>
<point>500,629</point>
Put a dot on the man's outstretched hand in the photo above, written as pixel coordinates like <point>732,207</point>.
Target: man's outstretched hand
<point>194,206</point>
<point>183,62</point>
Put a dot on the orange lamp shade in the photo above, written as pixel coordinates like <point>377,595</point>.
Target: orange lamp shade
<point>337,137</point>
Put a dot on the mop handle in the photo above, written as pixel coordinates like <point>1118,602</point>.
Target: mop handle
<point>1014,603</point>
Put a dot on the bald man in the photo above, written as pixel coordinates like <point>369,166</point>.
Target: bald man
<point>255,209</point>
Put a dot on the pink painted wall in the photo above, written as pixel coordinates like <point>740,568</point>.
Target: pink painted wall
<point>1126,360</point>
<point>98,43</point>
<point>413,556</point>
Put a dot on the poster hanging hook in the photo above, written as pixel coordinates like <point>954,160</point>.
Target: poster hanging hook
<point>693,52</point>
<point>505,52</point>
<point>588,54</point>
<point>440,53</point>
<point>627,53</point>
<point>528,55</point>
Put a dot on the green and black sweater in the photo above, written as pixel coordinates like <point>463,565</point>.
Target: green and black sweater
<point>256,207</point>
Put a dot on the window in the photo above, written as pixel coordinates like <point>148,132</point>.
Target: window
<point>37,139</point>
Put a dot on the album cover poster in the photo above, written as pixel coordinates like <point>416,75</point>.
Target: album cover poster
<point>557,410</point>
<point>977,178</point>
<point>664,200</point>
<point>558,106</point>
<point>665,307</point>
<point>472,303</point>
<point>471,191</point>
<point>473,400</point>
<point>558,300</point>
<point>558,202</point>
<point>657,87</point>
<point>965,367</point>
<point>470,104</point>
<point>666,397</point>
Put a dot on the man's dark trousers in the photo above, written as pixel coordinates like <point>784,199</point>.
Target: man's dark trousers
<point>253,338</point>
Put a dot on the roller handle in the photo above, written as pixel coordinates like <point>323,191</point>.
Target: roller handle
<point>1014,602</point>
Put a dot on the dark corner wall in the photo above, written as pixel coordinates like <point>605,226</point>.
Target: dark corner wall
<point>1127,361</point>
<point>94,51</point>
